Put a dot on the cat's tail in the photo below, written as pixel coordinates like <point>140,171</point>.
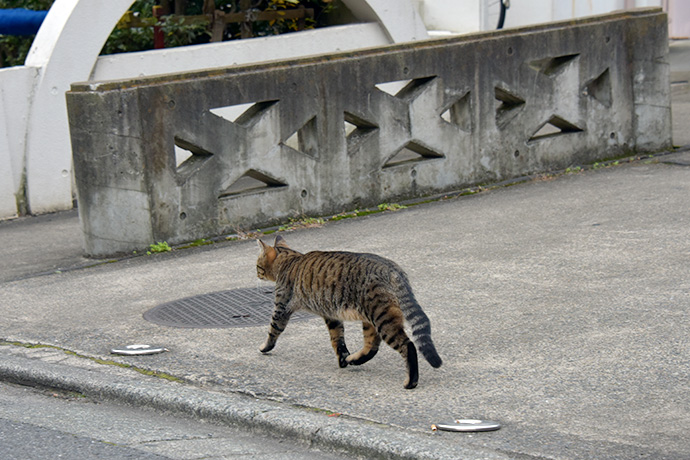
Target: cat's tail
<point>421,327</point>
<point>421,332</point>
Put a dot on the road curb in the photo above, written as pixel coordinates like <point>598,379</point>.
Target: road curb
<point>359,438</point>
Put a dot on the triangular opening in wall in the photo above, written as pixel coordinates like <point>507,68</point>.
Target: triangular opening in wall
<point>251,182</point>
<point>349,128</point>
<point>356,129</point>
<point>600,88</point>
<point>181,155</point>
<point>508,105</point>
<point>231,112</point>
<point>392,87</point>
<point>189,158</point>
<point>414,88</point>
<point>243,114</point>
<point>305,139</point>
<point>412,152</point>
<point>404,89</point>
<point>552,65</point>
<point>459,113</point>
<point>555,126</point>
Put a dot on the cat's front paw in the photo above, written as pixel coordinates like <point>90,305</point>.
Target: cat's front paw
<point>267,346</point>
<point>410,385</point>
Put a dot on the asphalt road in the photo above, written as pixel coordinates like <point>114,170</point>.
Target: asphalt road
<point>48,424</point>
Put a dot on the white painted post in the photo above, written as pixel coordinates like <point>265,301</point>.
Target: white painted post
<point>15,88</point>
<point>453,16</point>
<point>399,19</point>
<point>65,50</point>
<point>8,184</point>
<point>679,18</point>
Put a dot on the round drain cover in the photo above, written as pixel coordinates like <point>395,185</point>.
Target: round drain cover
<point>233,308</point>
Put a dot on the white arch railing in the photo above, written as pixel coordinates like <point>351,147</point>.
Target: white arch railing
<point>35,152</point>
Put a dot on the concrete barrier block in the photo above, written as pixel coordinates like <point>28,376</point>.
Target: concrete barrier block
<point>320,135</point>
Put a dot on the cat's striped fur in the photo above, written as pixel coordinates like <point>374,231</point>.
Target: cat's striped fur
<point>340,286</point>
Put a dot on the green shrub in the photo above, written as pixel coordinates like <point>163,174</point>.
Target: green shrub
<point>177,31</point>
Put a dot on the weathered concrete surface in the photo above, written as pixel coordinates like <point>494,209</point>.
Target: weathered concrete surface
<point>679,56</point>
<point>321,137</point>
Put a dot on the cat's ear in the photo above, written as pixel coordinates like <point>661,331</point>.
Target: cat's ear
<point>280,242</point>
<point>267,251</point>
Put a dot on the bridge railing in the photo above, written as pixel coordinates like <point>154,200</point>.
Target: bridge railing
<point>181,157</point>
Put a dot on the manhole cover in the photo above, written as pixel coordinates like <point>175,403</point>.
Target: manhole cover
<point>233,308</point>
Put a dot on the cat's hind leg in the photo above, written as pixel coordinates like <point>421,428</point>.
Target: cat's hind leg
<point>336,330</point>
<point>370,347</point>
<point>389,324</point>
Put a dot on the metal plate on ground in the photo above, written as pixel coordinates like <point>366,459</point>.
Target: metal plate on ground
<point>467,426</point>
<point>138,349</point>
<point>234,308</point>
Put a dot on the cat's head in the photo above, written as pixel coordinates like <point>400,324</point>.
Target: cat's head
<point>267,256</point>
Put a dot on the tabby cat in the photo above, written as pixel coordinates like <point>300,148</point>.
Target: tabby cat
<point>340,286</point>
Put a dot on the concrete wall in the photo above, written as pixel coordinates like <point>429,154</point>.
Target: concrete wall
<point>322,135</point>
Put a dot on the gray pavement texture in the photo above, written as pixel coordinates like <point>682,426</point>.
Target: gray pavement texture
<point>561,308</point>
<point>75,427</point>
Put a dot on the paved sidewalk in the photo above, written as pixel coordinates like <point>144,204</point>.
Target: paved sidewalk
<point>561,308</point>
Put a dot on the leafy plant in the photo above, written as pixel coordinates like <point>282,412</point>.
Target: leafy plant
<point>180,32</point>
<point>13,50</point>
<point>306,222</point>
<point>351,214</point>
<point>598,165</point>
<point>177,31</point>
<point>391,206</point>
<point>158,247</point>
<point>36,5</point>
